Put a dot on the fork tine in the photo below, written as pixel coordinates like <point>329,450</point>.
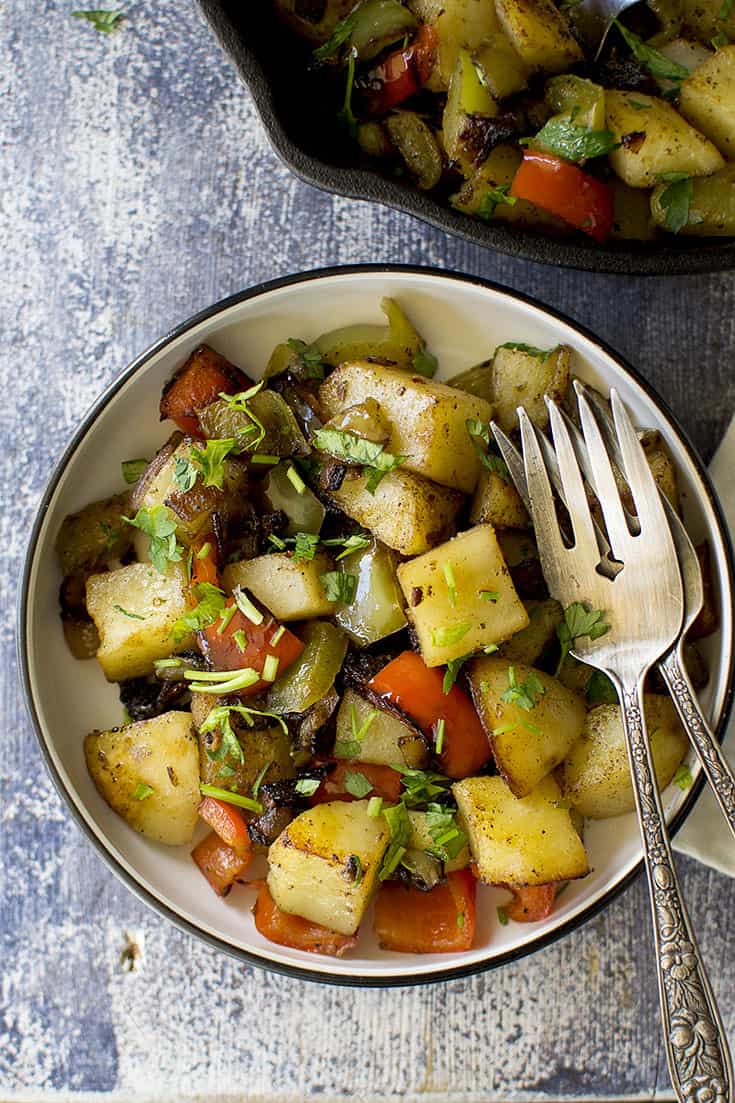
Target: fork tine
<point>604,419</point>
<point>648,504</point>
<point>551,546</point>
<point>513,461</point>
<point>607,491</point>
<point>573,491</point>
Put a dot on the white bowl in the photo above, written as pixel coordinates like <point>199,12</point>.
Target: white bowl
<point>463,319</point>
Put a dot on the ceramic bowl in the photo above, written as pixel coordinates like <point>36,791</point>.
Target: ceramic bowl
<point>463,319</point>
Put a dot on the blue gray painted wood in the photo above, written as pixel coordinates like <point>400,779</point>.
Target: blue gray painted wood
<point>137,187</point>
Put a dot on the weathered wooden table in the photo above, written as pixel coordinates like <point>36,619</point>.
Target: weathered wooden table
<point>137,186</point>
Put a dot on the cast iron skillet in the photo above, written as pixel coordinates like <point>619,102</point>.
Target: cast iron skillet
<point>272,66</point>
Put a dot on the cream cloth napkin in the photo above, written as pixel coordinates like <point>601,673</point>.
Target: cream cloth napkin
<point>705,835</point>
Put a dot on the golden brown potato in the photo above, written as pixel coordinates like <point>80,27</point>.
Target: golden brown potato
<point>519,840</point>
<point>290,588</point>
<point>522,378</point>
<point>531,642</point>
<point>497,502</point>
<point>406,512</point>
<point>324,866</point>
<point>460,597</point>
<point>134,609</point>
<point>94,535</point>
<point>596,776</point>
<point>428,419</point>
<point>655,140</point>
<point>532,732</point>
<point>148,773</point>
<point>539,33</point>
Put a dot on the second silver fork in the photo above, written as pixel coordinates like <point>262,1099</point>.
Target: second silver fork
<point>671,666</point>
<point>644,605</point>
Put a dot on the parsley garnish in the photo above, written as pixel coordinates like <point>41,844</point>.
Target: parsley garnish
<point>578,622</point>
<point>479,431</point>
<point>683,777</point>
<point>350,748</point>
<point>211,460</point>
<point>422,786</point>
<point>185,474</point>
<point>351,544</point>
<point>339,586</point>
<point>399,826</point>
<point>448,838</point>
<point>525,694</point>
<point>125,613</point>
<point>219,717</point>
<point>492,200</point>
<point>307,786</point>
<point>309,355</point>
<point>356,784</point>
<point>210,604</point>
<point>305,545</point>
<point>338,37</point>
<point>112,535</point>
<point>232,798</point>
<point>448,635</point>
<point>530,350</point>
<point>726,10</point>
<point>503,917</point>
<point>104,21</point>
<point>451,582</point>
<point>133,469</point>
<point>142,791</point>
<point>658,64</point>
<point>158,523</point>
<point>425,363</point>
<point>259,779</point>
<point>600,690</point>
<point>256,429</point>
<point>346,115</point>
<point>356,870</point>
<point>676,200</point>
<point>451,673</point>
<point>350,447</point>
<point>565,139</point>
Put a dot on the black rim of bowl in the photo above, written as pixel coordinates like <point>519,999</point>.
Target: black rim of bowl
<point>686,257</point>
<point>147,897</point>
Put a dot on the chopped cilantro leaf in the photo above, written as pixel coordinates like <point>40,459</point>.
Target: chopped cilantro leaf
<point>450,634</point>
<point>210,604</point>
<point>530,350</point>
<point>211,460</point>
<point>600,690</point>
<point>307,786</point>
<point>125,613</point>
<point>356,784</point>
<point>133,469</point>
<point>309,355</point>
<point>339,586</point>
<point>160,524</point>
<point>525,694</point>
<point>105,21</point>
<point>305,545</point>
<point>683,777</point>
<point>676,199</point>
<point>351,544</point>
<point>142,791</point>
<point>425,363</point>
<point>492,199</point>
<point>578,622</point>
<point>575,143</point>
<point>399,826</point>
<point>337,39</point>
<point>658,64</point>
<point>503,917</point>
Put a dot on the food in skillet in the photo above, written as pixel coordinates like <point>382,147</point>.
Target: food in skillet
<point>494,106</point>
<point>322,604</point>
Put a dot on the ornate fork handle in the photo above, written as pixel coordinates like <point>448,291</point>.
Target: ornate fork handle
<point>718,771</point>
<point>696,1048</point>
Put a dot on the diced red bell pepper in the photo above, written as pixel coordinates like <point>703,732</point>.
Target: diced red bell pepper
<point>418,691</point>
<point>530,903</point>
<point>438,922</point>
<point>228,822</point>
<point>401,73</point>
<point>198,383</point>
<point>564,189</point>
<point>223,650</point>
<point>291,930</point>
<point>219,863</point>
<point>386,782</point>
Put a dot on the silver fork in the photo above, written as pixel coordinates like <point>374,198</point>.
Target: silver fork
<point>672,667</point>
<point>644,606</point>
